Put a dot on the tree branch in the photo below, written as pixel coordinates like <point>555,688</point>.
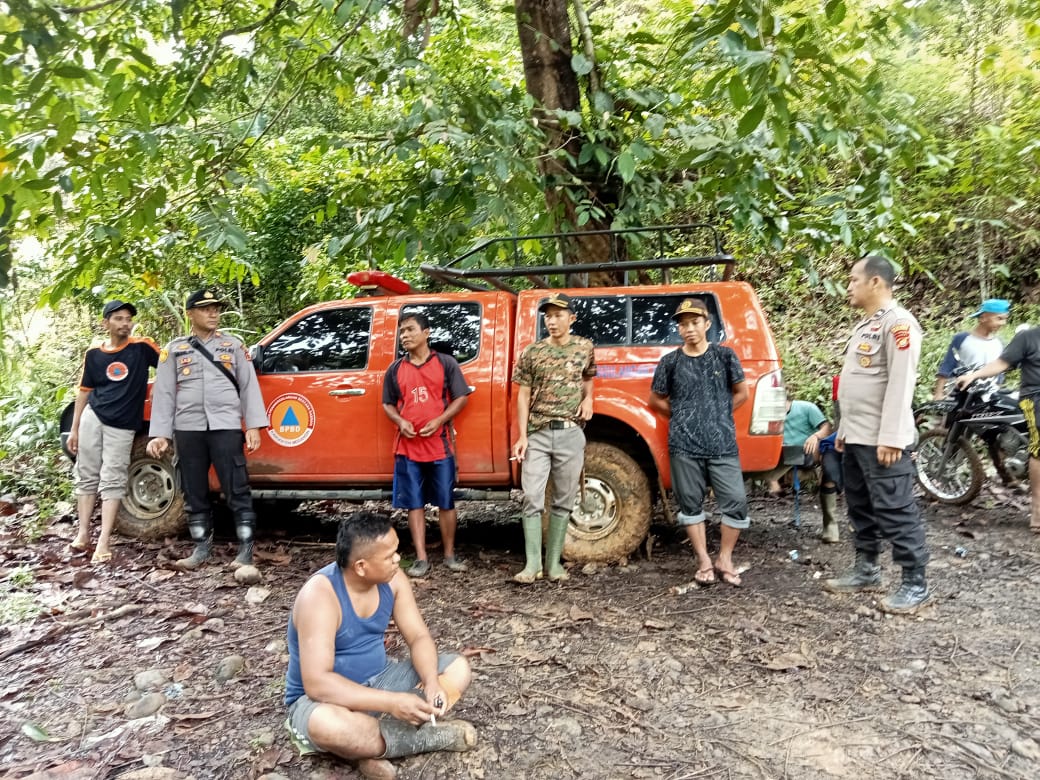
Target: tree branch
<point>277,8</point>
<point>86,9</point>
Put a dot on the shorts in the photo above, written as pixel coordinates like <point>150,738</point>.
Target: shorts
<point>691,478</point>
<point>417,484</point>
<point>398,676</point>
<point>103,460</point>
<point>1028,407</point>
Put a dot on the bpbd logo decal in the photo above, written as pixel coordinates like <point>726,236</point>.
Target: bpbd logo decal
<point>292,419</point>
<point>117,371</point>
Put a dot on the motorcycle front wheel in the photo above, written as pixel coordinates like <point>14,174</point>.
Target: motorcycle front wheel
<point>959,479</point>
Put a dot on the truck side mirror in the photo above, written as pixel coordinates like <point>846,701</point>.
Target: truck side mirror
<point>256,354</point>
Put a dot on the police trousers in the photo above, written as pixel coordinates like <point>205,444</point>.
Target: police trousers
<point>197,450</point>
<point>882,506</point>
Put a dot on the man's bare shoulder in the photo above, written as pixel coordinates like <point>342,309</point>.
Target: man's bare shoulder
<point>400,583</point>
<point>316,595</point>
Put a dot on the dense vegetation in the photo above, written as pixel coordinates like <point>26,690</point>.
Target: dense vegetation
<point>271,147</point>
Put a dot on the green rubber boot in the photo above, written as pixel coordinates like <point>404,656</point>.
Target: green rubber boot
<point>404,739</point>
<point>533,550</point>
<point>829,508</point>
<point>554,547</point>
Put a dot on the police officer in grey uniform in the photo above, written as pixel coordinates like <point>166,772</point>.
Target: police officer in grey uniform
<point>876,430</point>
<point>205,387</point>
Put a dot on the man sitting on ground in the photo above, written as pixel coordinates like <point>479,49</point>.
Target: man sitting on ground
<point>339,679</point>
<point>805,426</point>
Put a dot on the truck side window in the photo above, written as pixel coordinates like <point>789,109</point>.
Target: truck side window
<point>604,321</point>
<point>333,340</point>
<point>652,321</point>
<point>454,327</point>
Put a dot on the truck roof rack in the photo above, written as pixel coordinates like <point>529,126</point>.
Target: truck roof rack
<point>665,245</point>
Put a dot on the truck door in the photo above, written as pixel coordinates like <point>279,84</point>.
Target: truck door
<point>323,396</point>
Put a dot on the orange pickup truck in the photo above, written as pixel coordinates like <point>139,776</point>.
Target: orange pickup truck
<point>321,374</point>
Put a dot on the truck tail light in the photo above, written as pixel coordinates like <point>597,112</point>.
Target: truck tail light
<point>770,407</point>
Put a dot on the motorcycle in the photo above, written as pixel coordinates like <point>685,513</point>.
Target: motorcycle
<point>949,468</point>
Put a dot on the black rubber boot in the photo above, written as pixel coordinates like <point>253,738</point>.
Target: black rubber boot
<point>911,594</point>
<point>865,574</point>
<point>245,524</point>
<point>200,526</point>
<point>404,739</point>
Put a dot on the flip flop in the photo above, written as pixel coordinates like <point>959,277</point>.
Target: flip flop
<point>731,578</point>
<point>75,547</point>
<point>705,577</point>
<point>101,557</point>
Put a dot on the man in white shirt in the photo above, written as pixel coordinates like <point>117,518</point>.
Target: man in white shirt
<point>974,348</point>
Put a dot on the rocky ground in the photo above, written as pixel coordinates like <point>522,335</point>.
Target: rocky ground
<point>626,671</point>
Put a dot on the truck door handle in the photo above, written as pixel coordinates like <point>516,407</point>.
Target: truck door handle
<point>351,391</point>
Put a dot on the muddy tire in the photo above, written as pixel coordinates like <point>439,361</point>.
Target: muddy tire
<point>615,516</point>
<point>957,481</point>
<point>153,506</point>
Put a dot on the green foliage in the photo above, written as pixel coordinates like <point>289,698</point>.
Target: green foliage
<point>17,604</point>
<point>40,365</point>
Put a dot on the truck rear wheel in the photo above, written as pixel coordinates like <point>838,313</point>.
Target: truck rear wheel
<point>615,515</point>
<point>153,506</point>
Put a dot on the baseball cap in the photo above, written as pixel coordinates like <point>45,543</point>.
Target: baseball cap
<point>113,306</point>
<point>201,298</point>
<point>556,299</point>
<point>993,306</point>
<point>690,306</point>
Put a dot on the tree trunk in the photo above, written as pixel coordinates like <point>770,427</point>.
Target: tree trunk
<point>546,46</point>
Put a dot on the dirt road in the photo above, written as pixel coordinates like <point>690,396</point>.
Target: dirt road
<point>610,675</point>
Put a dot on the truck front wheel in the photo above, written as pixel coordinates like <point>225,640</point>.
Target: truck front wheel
<point>614,516</point>
<point>153,506</point>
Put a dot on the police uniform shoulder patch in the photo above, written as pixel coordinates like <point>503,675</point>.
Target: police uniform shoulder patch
<point>901,334</point>
<point>163,355</point>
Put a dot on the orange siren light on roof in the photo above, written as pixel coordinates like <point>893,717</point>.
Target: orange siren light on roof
<point>379,283</point>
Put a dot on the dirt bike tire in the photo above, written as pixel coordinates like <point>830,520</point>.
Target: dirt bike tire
<point>963,475</point>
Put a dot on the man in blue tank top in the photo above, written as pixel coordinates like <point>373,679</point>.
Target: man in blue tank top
<point>339,678</point>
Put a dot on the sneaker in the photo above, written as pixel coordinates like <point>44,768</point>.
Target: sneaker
<point>456,564</point>
<point>418,569</point>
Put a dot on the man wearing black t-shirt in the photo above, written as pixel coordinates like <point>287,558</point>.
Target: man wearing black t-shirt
<point>1023,352</point>
<point>697,387</point>
<point>108,412</point>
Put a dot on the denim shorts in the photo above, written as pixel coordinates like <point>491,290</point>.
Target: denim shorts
<point>417,484</point>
